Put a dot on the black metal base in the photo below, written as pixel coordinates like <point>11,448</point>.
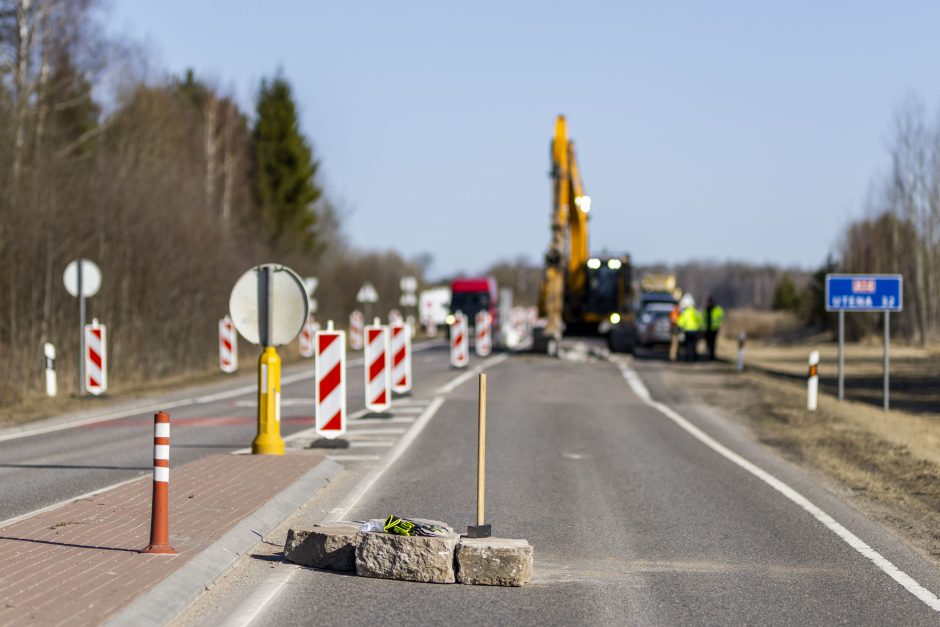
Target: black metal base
<point>480,531</point>
<point>324,443</point>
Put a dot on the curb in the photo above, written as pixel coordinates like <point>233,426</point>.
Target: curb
<point>169,598</point>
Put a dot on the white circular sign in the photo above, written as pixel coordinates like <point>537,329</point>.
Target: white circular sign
<point>284,306</point>
<point>311,283</point>
<point>91,278</point>
<point>367,294</point>
<point>409,284</point>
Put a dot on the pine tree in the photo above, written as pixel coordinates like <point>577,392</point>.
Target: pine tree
<point>284,173</point>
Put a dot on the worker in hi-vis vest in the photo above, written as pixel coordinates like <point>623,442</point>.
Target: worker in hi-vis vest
<point>713,316</point>
<point>690,325</point>
<point>674,333</point>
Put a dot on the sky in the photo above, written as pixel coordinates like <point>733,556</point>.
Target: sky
<point>704,130</point>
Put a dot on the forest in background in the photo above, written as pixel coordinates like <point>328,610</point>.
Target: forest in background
<point>166,184</point>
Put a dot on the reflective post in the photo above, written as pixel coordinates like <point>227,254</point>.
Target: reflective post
<point>268,441</point>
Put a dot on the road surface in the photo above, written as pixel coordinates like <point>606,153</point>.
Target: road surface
<point>634,519</point>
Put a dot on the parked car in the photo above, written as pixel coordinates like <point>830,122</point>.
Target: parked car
<point>653,326</point>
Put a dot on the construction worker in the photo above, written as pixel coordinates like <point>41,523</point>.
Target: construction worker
<point>674,333</point>
<point>690,324</point>
<point>713,316</point>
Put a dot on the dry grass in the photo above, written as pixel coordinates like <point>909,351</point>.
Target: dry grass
<point>887,463</point>
<point>758,324</point>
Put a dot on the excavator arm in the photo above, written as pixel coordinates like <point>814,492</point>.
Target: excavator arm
<point>568,248</point>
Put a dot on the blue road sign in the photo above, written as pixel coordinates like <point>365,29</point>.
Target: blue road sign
<point>864,292</point>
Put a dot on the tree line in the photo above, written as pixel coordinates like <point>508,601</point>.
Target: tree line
<point>167,184</point>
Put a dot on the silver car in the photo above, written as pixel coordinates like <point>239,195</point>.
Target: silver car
<point>653,326</point>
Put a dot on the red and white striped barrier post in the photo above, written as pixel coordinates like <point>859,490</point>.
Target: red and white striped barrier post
<point>307,334</point>
<point>378,379</point>
<point>459,343</point>
<point>484,332</point>
<point>401,358</point>
<point>96,358</point>
<point>228,346</point>
<point>330,380</point>
<point>355,330</point>
<point>160,510</point>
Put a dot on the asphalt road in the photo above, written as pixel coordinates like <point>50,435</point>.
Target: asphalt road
<point>634,520</point>
<point>63,463</point>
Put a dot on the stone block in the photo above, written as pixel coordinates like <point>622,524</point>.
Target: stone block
<point>331,546</point>
<point>493,561</point>
<point>410,558</point>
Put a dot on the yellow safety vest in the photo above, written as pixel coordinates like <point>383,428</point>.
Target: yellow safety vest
<point>690,319</point>
<point>717,317</point>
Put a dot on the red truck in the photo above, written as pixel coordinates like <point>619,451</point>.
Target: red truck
<point>469,296</point>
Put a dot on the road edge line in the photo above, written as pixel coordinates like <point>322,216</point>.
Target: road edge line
<point>883,564</point>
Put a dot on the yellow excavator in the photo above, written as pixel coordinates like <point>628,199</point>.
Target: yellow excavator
<point>580,293</point>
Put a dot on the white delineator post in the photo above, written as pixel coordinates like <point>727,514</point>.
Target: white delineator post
<point>484,333</point>
<point>96,358</point>
<point>742,338</point>
<point>376,362</point>
<point>228,346</point>
<point>52,387</point>
<point>330,382</point>
<point>355,330</point>
<point>401,358</point>
<point>459,343</point>
<point>307,334</point>
<point>812,383</point>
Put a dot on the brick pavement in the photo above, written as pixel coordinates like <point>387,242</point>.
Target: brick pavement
<point>80,564</point>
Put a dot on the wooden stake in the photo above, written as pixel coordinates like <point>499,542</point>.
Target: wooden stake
<point>481,451</point>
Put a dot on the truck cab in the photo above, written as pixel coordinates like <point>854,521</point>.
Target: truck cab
<point>469,296</point>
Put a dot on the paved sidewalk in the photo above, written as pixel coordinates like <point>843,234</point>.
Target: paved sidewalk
<point>80,564</point>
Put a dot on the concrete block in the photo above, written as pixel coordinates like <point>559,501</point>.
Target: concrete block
<point>494,561</point>
<point>410,558</point>
<point>331,546</point>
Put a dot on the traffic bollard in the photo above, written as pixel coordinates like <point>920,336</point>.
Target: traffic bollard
<point>268,441</point>
<point>481,529</point>
<point>742,337</point>
<point>812,383</point>
<point>159,515</point>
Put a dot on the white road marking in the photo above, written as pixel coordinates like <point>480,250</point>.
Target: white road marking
<point>371,431</point>
<point>249,609</point>
<point>371,443</point>
<point>389,421</point>
<point>149,407</point>
<point>466,376</point>
<point>905,580</point>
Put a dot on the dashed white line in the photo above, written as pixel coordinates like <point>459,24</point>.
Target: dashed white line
<point>905,580</point>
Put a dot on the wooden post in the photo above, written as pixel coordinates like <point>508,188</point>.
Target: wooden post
<point>481,529</point>
<point>481,452</point>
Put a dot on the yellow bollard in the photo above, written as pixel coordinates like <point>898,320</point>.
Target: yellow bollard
<point>268,441</point>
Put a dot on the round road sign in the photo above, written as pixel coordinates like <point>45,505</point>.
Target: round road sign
<point>367,294</point>
<point>409,284</point>
<point>269,305</point>
<point>91,278</point>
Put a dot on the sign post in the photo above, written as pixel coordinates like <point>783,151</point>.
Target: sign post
<point>82,279</point>
<point>269,306</point>
<point>866,293</point>
<point>367,295</point>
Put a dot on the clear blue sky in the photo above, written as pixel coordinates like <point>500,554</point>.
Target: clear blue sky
<point>706,130</point>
